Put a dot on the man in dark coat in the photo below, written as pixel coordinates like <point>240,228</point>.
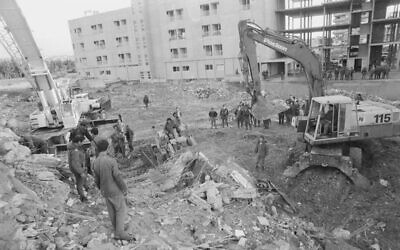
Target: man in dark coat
<point>129,137</point>
<point>246,117</point>
<point>118,141</point>
<point>261,151</point>
<point>239,115</point>
<point>146,101</point>
<point>81,130</point>
<point>76,162</point>
<point>109,180</point>
<point>213,117</point>
<point>224,112</point>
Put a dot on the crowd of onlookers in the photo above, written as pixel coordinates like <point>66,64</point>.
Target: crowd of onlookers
<point>346,73</point>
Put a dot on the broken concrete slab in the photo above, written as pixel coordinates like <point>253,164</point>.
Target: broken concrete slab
<point>242,193</point>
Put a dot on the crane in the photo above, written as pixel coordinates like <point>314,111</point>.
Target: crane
<point>335,124</point>
<point>16,37</point>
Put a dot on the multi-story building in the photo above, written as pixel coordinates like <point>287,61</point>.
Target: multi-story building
<point>355,33</point>
<point>170,39</point>
<point>199,39</point>
<point>105,45</point>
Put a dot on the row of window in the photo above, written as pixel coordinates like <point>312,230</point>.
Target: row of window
<point>143,74</point>
<point>211,30</point>
<point>102,43</point>
<point>211,50</point>
<point>209,9</point>
<point>146,60</point>
<point>99,27</point>
<point>123,57</point>
<point>177,34</point>
<point>175,14</point>
<point>187,68</point>
<point>176,52</point>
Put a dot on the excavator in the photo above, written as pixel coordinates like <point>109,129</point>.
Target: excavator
<point>56,109</point>
<point>336,126</point>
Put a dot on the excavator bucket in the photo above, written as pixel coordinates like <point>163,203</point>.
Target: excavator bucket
<point>265,109</point>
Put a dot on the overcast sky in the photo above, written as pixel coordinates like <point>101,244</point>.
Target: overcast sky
<point>48,20</point>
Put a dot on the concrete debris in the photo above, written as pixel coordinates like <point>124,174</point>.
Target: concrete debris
<point>341,233</point>
<point>375,247</point>
<point>263,221</point>
<point>242,242</point>
<point>383,182</point>
<point>239,234</point>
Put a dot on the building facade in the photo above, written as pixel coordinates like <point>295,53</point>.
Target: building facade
<point>105,46</point>
<point>169,39</point>
<point>199,39</point>
<point>353,33</point>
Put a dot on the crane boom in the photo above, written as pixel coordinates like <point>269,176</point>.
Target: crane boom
<point>296,49</point>
<point>17,39</point>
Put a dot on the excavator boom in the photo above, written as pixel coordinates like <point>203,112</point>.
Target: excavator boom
<point>296,49</point>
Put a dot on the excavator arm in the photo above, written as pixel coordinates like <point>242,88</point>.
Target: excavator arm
<point>250,33</point>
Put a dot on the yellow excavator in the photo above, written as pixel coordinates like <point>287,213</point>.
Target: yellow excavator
<point>335,125</point>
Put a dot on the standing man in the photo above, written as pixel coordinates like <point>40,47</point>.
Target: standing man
<point>246,117</point>
<point>239,115</point>
<point>118,141</point>
<point>76,162</point>
<point>109,180</point>
<point>129,137</point>
<point>146,101</point>
<point>224,116</point>
<point>261,151</point>
<point>213,117</point>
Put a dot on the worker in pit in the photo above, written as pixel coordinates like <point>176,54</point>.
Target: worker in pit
<point>76,162</point>
<point>35,144</point>
<point>262,151</point>
<point>109,180</point>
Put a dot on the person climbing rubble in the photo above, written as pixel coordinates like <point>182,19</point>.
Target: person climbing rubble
<point>261,151</point>
<point>109,180</point>
<point>76,162</point>
<point>171,129</point>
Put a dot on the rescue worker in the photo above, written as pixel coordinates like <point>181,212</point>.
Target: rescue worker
<point>129,137</point>
<point>171,129</point>
<point>81,130</point>
<point>223,113</point>
<point>281,117</point>
<point>213,117</point>
<point>261,151</point>
<point>146,101</point>
<point>118,141</point>
<point>364,72</point>
<point>336,73</point>
<point>246,117</point>
<point>326,121</point>
<point>239,115</point>
<point>35,144</point>
<point>76,162</point>
<point>109,180</point>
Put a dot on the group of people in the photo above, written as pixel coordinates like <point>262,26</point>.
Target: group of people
<point>223,114</point>
<point>345,73</point>
<point>296,108</point>
<point>104,169</point>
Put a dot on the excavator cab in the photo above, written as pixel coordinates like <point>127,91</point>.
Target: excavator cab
<point>331,119</point>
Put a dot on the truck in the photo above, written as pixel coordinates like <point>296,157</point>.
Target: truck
<point>336,127</point>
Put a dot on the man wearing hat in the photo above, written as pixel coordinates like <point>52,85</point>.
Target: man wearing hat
<point>109,180</point>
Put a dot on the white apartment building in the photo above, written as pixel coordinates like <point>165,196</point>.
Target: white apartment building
<point>170,39</point>
<point>198,39</point>
<point>105,46</point>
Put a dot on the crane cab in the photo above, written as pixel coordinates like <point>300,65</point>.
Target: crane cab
<point>338,119</point>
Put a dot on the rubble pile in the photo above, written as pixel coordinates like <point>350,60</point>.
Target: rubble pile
<point>207,92</point>
<point>199,205</point>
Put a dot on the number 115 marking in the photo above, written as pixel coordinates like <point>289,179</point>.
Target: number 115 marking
<point>382,118</point>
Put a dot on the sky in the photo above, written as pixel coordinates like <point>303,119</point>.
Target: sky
<point>48,21</point>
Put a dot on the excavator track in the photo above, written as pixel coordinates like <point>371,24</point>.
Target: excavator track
<point>331,157</point>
